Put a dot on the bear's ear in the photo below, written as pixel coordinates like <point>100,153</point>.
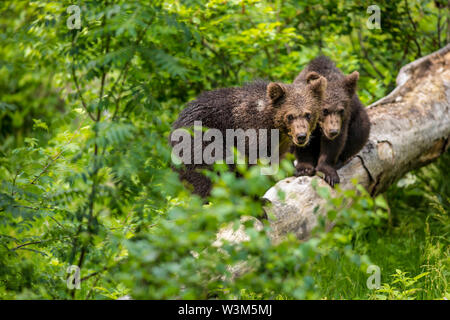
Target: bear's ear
<point>318,86</point>
<point>312,76</point>
<point>275,91</point>
<point>350,82</point>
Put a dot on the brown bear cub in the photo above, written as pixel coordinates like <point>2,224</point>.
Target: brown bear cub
<point>261,106</point>
<point>344,125</point>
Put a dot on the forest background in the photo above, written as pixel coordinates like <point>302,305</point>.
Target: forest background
<point>86,189</point>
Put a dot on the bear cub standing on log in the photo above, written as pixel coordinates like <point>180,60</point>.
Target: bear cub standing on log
<point>292,109</point>
<point>344,125</point>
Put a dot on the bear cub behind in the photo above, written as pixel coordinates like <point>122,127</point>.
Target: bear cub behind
<point>344,125</point>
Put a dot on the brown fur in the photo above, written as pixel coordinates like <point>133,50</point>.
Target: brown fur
<point>293,109</point>
<point>343,122</point>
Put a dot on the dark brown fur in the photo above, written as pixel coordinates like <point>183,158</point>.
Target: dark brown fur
<point>293,109</point>
<point>343,122</point>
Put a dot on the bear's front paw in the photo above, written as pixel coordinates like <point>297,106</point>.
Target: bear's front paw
<point>304,169</point>
<point>330,175</point>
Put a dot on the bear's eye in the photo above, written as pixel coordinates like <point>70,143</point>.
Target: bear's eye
<point>325,112</point>
<point>341,111</point>
<point>307,116</point>
<point>290,117</point>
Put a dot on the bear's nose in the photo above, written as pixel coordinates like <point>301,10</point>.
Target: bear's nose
<point>334,133</point>
<point>301,138</point>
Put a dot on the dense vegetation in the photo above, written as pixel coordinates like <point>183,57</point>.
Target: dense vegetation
<point>85,174</point>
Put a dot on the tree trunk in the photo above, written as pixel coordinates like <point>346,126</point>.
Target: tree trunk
<point>410,128</point>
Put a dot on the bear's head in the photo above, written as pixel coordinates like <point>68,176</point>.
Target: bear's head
<point>336,107</point>
<point>297,107</point>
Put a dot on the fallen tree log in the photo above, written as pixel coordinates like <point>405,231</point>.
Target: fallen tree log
<point>410,128</point>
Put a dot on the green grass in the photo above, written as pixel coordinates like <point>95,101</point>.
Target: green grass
<point>415,242</point>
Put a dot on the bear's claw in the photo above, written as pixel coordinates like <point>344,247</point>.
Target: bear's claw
<point>304,169</point>
<point>329,175</point>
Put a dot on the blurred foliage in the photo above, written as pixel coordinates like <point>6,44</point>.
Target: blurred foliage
<point>84,160</point>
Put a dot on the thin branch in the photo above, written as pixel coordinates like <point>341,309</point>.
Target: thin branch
<point>124,72</point>
<point>222,58</point>
<point>14,183</point>
<point>6,236</point>
<point>59,224</point>
<point>26,244</point>
<point>439,28</point>
<point>92,288</point>
<point>104,71</point>
<point>36,251</point>
<point>39,208</point>
<point>83,103</point>
<point>419,51</point>
<point>448,22</point>
<point>39,241</point>
<point>94,274</point>
<point>366,55</point>
<point>363,68</point>
<point>58,155</point>
<point>405,52</point>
